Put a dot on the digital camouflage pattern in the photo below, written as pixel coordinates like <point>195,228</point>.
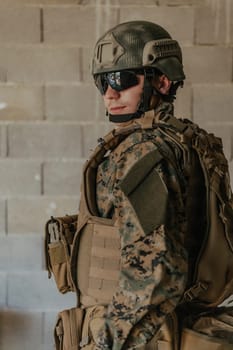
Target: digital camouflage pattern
<point>153,264</point>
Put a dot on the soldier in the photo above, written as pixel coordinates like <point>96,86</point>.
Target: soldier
<point>145,208</point>
<point>137,67</point>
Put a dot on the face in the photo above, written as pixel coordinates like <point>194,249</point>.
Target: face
<point>124,101</point>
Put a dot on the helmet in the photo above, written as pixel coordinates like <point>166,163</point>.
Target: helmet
<point>139,45</point>
<point>136,45</point>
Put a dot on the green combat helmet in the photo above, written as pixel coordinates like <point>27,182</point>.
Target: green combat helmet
<point>139,46</point>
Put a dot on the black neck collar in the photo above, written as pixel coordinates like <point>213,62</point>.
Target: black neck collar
<point>121,118</point>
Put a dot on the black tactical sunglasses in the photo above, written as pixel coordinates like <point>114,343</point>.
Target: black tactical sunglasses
<point>118,81</point>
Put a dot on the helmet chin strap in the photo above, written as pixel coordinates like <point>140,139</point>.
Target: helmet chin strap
<point>120,118</point>
<point>144,105</point>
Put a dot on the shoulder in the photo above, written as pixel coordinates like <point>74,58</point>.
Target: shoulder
<point>137,151</point>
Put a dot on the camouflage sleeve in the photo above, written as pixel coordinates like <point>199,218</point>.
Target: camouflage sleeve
<point>153,258</point>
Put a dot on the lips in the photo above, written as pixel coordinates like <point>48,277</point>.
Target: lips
<point>117,109</point>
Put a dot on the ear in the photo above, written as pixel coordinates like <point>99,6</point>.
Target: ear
<point>162,84</point>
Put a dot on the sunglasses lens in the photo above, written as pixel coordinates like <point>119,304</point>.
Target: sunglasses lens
<point>101,83</point>
<point>122,80</point>
<point>117,80</point>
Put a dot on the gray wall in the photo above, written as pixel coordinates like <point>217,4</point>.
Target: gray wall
<point>51,116</point>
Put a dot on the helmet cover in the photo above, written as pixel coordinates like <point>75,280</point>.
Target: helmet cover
<point>136,45</point>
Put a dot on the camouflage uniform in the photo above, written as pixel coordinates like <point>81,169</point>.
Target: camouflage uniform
<point>153,263</point>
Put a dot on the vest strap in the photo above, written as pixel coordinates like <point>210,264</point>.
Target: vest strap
<point>194,291</point>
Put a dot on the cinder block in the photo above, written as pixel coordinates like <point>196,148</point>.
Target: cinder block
<point>183,102</point>
<point>167,17</point>
<point>21,102</point>
<point>180,2</point>
<point>2,216</point>
<point>120,2</point>
<point>62,178</point>
<point>208,64</point>
<point>49,319</point>
<point>85,59</point>
<point>92,134</point>
<point>70,25</point>
<point>29,215</point>
<point>19,177</point>
<point>100,109</point>
<point>3,140</point>
<point>106,17</point>
<point>22,252</point>
<point>21,330</point>
<point>133,2</point>
<point>212,102</point>
<point>3,289</point>
<point>213,23</point>
<point>39,64</point>
<point>89,139</point>
<point>20,25</point>
<point>41,2</point>
<point>45,140</point>
<point>34,291</point>
<point>104,127</point>
<point>70,102</point>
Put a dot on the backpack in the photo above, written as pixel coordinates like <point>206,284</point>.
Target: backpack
<point>212,279</point>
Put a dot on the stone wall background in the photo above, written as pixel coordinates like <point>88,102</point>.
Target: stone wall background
<point>51,116</point>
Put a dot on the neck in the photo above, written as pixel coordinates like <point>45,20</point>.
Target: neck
<point>123,124</point>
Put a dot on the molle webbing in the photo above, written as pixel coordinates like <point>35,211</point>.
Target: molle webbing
<point>98,272</point>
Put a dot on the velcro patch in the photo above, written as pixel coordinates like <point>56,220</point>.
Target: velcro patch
<point>147,191</point>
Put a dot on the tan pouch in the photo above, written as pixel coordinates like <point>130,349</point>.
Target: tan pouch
<point>167,338</point>
<point>59,234</point>
<point>94,316</point>
<point>192,340</point>
<point>68,329</point>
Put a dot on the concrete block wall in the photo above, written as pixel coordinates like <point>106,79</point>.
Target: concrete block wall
<point>51,116</point>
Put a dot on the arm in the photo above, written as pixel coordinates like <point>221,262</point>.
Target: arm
<point>153,259</point>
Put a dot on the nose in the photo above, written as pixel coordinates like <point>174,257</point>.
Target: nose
<point>111,93</point>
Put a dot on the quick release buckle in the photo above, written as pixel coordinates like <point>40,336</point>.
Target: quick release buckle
<point>194,291</point>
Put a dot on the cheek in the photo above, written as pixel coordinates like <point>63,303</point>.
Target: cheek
<point>135,99</point>
<point>135,102</point>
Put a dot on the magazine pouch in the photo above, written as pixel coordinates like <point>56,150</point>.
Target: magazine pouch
<point>59,234</point>
<point>68,329</point>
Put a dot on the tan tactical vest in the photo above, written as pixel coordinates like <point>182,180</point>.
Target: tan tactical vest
<point>88,261</point>
<point>96,255</point>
